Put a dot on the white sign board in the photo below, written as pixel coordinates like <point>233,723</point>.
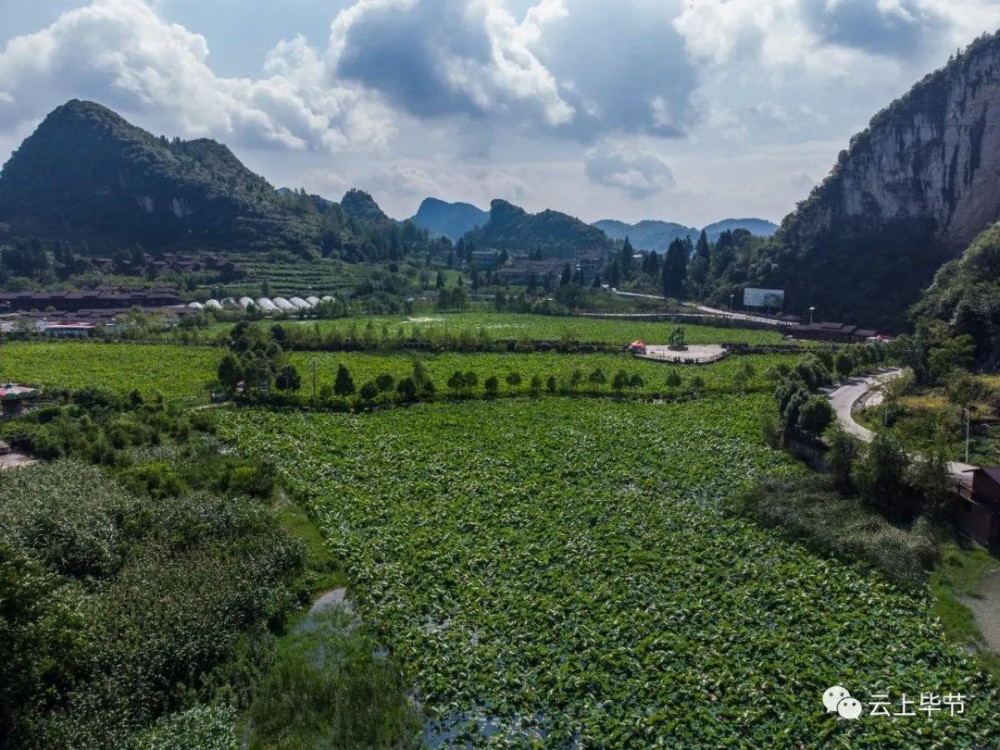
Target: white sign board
<point>771,299</point>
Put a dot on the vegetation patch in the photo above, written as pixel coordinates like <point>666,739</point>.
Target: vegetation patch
<point>559,571</point>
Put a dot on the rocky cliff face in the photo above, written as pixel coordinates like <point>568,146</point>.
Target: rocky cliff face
<point>934,154</point>
<point>909,194</point>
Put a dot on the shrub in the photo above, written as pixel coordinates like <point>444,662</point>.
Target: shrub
<point>492,386</point>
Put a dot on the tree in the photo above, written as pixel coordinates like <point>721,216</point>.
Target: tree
<point>635,381</point>
<point>962,389</point>
<point>43,644</point>
<point>840,459</point>
<point>535,386</point>
<point>288,379</point>
<point>677,339</point>
<point>880,478</point>
<point>614,274</point>
<point>343,384</point>
<point>675,270</point>
<point>597,377</point>
<point>625,258</point>
<point>673,379</point>
<point>407,389</point>
<point>514,379</point>
<point>551,384</point>
<point>456,382</point>
<point>619,381</point>
<point>698,271</point>
<point>230,372</point>
<point>815,415</point>
<point>492,386</point>
<point>930,476</point>
<point>844,366</point>
<point>369,391</point>
<point>950,355</point>
<point>385,382</point>
<point>439,280</point>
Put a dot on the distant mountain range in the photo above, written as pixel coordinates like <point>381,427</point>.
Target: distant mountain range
<point>455,220</point>
<point>653,235</point>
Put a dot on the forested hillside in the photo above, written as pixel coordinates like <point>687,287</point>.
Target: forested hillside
<point>513,229</point>
<point>87,174</point>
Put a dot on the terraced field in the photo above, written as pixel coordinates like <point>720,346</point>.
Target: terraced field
<point>558,573</point>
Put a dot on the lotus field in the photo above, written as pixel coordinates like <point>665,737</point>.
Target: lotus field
<point>559,573</point>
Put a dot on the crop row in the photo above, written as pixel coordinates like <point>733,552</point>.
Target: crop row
<point>558,572</point>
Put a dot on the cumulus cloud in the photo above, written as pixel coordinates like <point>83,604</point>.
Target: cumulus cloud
<point>895,28</point>
<point>625,68</point>
<point>123,54</point>
<point>436,58</point>
<point>640,173</point>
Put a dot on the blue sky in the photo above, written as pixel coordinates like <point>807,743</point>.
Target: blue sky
<point>685,110</point>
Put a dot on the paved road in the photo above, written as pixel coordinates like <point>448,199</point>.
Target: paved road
<point>845,397</point>
<point>702,309</point>
<point>742,316</point>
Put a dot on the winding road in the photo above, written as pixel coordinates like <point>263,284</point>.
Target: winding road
<point>868,388</point>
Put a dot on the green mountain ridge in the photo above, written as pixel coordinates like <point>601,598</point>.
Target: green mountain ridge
<point>555,234</point>
<point>86,174</point>
<point>86,168</point>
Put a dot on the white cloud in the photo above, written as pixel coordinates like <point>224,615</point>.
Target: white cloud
<point>436,58</point>
<point>638,171</point>
<point>123,54</point>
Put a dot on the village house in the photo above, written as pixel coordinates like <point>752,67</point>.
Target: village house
<point>977,510</point>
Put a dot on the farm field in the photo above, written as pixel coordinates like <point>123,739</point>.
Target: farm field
<point>547,327</point>
<point>560,572</point>
<point>178,372</point>
<point>186,372</point>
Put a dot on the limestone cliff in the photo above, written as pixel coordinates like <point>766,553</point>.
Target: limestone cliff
<point>910,193</point>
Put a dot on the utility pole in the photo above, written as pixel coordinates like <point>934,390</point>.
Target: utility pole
<point>968,432</point>
<point>811,310</point>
